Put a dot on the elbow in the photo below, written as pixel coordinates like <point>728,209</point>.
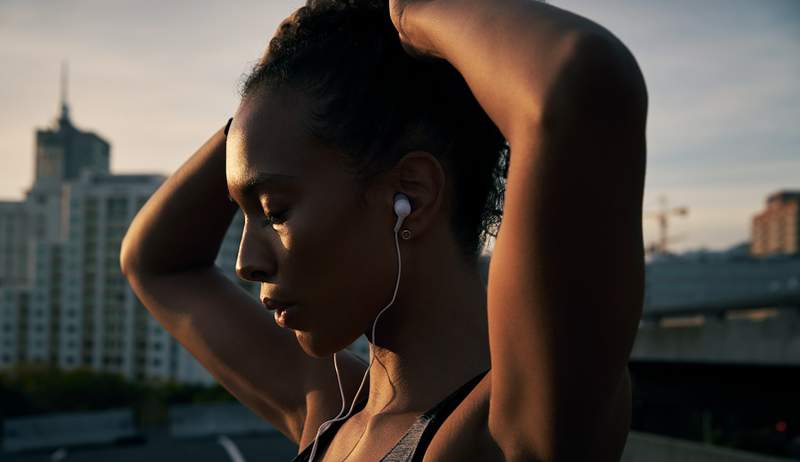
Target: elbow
<point>128,258</point>
<point>599,79</point>
<point>125,259</point>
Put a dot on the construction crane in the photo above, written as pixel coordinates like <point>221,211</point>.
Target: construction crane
<point>663,215</point>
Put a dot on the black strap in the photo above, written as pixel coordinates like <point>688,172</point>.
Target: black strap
<point>414,443</point>
<point>438,414</point>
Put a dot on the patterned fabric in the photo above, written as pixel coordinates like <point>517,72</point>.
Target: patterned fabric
<point>413,444</point>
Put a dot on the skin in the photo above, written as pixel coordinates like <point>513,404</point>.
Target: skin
<point>336,259</point>
<point>560,313</point>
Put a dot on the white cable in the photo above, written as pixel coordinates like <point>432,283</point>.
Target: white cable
<point>230,448</point>
<point>326,424</point>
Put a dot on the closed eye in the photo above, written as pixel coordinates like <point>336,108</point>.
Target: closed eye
<point>275,218</point>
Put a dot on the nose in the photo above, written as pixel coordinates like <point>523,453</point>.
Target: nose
<point>254,261</point>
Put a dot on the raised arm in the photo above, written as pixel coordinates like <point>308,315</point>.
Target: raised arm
<point>168,258</point>
<point>566,277</point>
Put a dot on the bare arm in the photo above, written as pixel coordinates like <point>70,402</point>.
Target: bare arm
<point>168,257</point>
<point>566,277</point>
<point>182,225</point>
<point>512,53</point>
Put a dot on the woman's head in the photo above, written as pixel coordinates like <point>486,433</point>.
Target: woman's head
<point>337,102</point>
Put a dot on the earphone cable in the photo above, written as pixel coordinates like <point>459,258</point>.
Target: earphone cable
<point>326,424</point>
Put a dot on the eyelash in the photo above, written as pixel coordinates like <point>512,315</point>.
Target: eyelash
<point>275,218</point>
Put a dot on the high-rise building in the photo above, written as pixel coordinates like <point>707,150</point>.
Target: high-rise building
<point>13,244</point>
<point>62,152</point>
<point>63,299</point>
<point>776,230</point>
<point>14,308</point>
<point>102,325</point>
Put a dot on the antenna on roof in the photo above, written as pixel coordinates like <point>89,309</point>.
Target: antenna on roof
<point>64,105</point>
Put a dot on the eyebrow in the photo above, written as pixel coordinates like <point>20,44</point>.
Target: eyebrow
<point>271,181</point>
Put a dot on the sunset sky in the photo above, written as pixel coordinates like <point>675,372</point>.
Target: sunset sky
<point>157,78</point>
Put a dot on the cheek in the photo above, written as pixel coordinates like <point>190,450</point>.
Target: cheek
<point>329,247</point>
<point>322,255</point>
<point>344,266</point>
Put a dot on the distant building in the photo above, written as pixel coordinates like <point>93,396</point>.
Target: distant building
<point>776,230</point>
<point>63,299</point>
<point>13,244</point>
<point>14,309</point>
<point>101,324</point>
<point>62,153</point>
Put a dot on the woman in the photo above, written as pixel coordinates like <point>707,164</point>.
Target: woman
<point>339,122</point>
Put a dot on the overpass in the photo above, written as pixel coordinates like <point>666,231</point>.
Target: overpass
<point>724,310</point>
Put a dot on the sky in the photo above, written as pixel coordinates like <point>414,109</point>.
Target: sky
<point>156,79</point>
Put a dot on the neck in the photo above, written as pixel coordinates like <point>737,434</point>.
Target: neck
<point>431,340</point>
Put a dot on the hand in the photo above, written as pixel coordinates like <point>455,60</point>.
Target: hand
<point>418,47</point>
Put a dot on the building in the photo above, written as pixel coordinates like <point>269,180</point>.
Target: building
<point>13,244</point>
<point>777,228</point>
<point>14,309</point>
<point>100,324</point>
<point>63,299</point>
<point>62,153</point>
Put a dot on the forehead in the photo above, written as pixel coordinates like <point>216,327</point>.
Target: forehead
<point>269,136</point>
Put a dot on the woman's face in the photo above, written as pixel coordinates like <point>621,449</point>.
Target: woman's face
<point>307,237</point>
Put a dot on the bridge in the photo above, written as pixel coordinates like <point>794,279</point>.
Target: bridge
<point>723,310</point>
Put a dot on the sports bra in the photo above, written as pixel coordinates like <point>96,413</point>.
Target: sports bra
<point>412,445</point>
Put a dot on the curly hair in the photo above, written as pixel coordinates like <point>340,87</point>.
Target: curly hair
<point>374,102</point>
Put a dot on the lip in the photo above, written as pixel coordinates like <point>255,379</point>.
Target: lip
<point>286,316</point>
<point>274,304</point>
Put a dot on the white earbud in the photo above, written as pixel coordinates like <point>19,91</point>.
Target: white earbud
<point>402,208</point>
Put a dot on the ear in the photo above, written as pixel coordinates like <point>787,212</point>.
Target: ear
<point>420,176</point>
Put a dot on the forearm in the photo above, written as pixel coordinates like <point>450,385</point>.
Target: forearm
<point>182,225</point>
<point>510,52</point>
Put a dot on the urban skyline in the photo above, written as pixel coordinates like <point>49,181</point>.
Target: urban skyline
<point>63,299</point>
<point>721,135</point>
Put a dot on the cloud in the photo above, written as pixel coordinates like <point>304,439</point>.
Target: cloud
<point>156,78</point>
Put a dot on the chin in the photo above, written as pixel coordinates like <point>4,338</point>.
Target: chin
<point>319,347</point>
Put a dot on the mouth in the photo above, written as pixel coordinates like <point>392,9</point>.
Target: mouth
<point>274,304</point>
<point>283,311</point>
<point>286,317</point>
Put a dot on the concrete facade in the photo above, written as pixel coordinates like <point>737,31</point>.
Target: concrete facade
<point>14,231</point>
<point>776,229</point>
<point>771,340</point>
